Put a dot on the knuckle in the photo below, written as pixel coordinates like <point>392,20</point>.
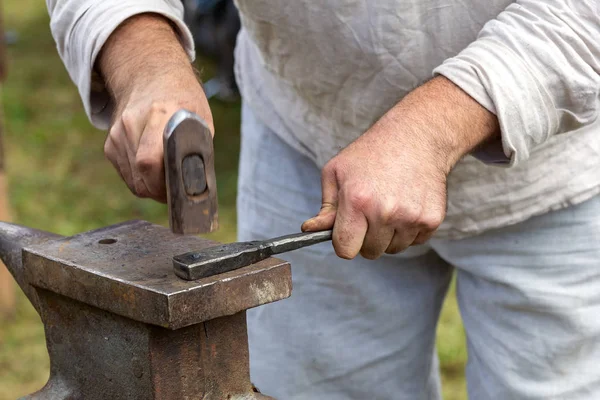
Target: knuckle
<point>113,133</point>
<point>110,152</point>
<point>432,220</point>
<point>157,107</point>
<point>411,216</point>
<point>336,167</point>
<point>332,164</point>
<point>330,168</point>
<point>360,199</point>
<point>369,255</point>
<point>146,164</point>
<point>128,118</point>
<point>387,212</point>
<point>108,148</point>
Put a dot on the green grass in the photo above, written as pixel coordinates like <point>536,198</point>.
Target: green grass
<point>59,181</point>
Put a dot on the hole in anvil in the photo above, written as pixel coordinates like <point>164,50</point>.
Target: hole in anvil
<point>107,241</point>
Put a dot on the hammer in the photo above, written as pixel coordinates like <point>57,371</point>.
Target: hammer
<point>190,174</point>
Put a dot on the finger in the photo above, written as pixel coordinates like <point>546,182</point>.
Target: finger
<point>149,162</point>
<point>423,237</point>
<point>133,123</point>
<point>349,229</point>
<point>329,197</point>
<point>329,185</point>
<point>430,221</point>
<point>138,183</point>
<point>377,240</point>
<point>116,154</point>
<point>112,155</point>
<point>323,221</point>
<point>401,240</point>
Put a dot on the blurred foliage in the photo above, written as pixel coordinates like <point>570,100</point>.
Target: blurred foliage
<point>59,181</point>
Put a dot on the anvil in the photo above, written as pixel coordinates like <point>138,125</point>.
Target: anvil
<point>120,325</point>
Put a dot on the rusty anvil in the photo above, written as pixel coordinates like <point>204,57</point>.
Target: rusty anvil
<point>119,324</point>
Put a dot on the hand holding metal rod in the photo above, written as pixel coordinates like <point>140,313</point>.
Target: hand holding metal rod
<point>227,257</point>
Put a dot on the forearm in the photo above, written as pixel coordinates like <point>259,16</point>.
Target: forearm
<point>442,118</point>
<point>143,48</point>
<point>81,29</point>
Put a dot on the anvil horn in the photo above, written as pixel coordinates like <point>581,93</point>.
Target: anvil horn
<point>13,238</point>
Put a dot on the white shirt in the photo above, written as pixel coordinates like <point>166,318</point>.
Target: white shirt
<point>321,73</point>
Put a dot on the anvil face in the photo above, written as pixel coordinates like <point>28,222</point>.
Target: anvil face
<point>126,269</point>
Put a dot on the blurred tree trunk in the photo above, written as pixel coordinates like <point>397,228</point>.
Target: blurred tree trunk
<point>2,47</point>
<point>7,285</point>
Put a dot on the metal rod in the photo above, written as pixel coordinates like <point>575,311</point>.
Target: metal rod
<point>228,257</point>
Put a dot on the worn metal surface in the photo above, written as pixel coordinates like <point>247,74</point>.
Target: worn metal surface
<point>96,355</point>
<point>119,325</point>
<point>194,176</point>
<point>228,257</point>
<point>190,174</point>
<point>127,269</point>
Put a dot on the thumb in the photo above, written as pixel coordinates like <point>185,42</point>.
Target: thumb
<point>325,218</point>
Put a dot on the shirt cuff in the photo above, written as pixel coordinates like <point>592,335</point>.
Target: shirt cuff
<point>91,29</point>
<point>501,82</point>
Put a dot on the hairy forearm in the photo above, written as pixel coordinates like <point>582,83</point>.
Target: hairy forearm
<point>143,48</point>
<point>446,120</point>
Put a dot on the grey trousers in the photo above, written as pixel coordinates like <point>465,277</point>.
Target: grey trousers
<point>529,296</point>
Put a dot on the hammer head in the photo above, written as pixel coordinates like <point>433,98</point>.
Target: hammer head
<point>190,174</point>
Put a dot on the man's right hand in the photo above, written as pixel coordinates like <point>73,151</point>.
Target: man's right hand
<point>149,77</point>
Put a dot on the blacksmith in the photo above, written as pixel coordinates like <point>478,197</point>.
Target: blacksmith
<point>432,135</point>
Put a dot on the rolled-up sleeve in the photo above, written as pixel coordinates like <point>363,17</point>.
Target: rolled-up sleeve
<point>80,29</point>
<point>537,67</point>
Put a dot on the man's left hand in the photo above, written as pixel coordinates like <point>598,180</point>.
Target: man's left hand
<point>387,190</point>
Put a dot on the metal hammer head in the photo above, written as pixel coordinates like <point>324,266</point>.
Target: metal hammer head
<point>190,174</point>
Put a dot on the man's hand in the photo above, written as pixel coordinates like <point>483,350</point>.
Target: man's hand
<point>387,190</point>
<point>149,77</point>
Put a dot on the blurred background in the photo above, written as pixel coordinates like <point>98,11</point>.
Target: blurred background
<point>59,181</point>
